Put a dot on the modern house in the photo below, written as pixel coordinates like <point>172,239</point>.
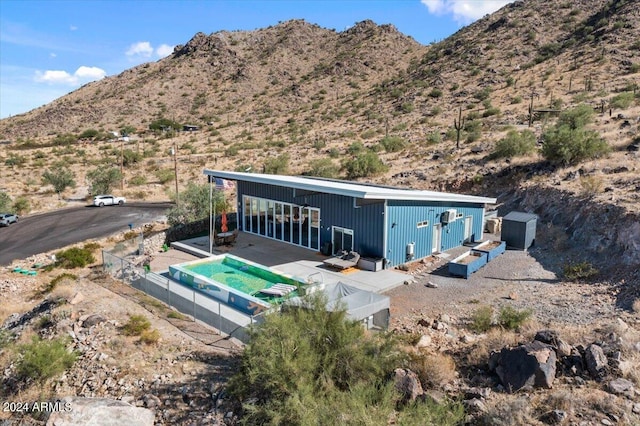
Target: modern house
<point>380,222</point>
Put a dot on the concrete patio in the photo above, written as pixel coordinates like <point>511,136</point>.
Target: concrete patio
<point>289,259</point>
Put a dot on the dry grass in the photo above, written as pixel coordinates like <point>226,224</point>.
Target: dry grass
<point>433,369</point>
<point>495,340</point>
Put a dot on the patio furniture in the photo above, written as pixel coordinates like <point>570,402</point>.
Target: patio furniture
<point>278,289</point>
<point>344,261</point>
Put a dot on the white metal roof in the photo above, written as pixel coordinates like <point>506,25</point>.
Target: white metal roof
<point>349,189</point>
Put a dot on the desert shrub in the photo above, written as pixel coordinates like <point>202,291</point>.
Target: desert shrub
<point>42,359</point>
<point>565,146</point>
<point>164,175</point>
<point>364,165</point>
<point>138,180</point>
<point>511,319</point>
<point>433,369</point>
<point>21,205</point>
<point>130,157</point>
<point>175,315</point>
<point>323,167</point>
<point>278,165</point>
<point>368,134</point>
<point>355,148</point>
<point>393,143</point>
<point>5,201</point>
<point>516,99</point>
<point>434,138</point>
<point>74,257</point>
<point>435,93</point>
<point>622,100</point>
<point>57,280</point>
<point>102,179</point>
<point>576,118</point>
<point>149,337</point>
<point>407,107</point>
<point>136,325</point>
<point>490,112</point>
<point>195,204</point>
<point>482,94</point>
<point>579,271</point>
<point>482,319</point>
<point>312,366</point>
<point>590,185</point>
<point>515,144</point>
<point>59,178</point>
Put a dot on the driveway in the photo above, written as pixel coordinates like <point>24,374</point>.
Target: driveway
<point>49,231</point>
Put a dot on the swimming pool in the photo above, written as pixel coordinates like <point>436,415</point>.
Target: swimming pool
<point>235,281</point>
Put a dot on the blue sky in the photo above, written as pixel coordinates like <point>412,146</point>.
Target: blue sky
<point>51,47</point>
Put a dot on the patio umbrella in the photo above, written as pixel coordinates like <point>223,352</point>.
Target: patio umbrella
<point>224,227</point>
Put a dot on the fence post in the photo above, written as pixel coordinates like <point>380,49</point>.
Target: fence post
<point>168,292</point>
<point>219,320</point>
<point>194,306</point>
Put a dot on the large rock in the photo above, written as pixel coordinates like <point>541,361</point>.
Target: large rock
<point>596,361</point>
<point>99,412</point>
<point>525,367</point>
<point>621,387</point>
<point>407,383</point>
<point>551,337</point>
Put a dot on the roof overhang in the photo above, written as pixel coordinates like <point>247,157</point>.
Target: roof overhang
<point>349,189</point>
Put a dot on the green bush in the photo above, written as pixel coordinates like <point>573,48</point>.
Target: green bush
<point>311,366</point>
<point>511,319</point>
<point>42,359</point>
<point>5,201</point>
<point>278,165</point>
<point>165,175</point>
<point>74,257</point>
<point>435,93</point>
<point>136,325</point>
<point>577,117</point>
<point>323,167</point>
<point>565,146</point>
<point>393,143</point>
<point>102,179</point>
<point>149,337</point>
<point>622,100</point>
<point>482,319</point>
<point>54,282</point>
<point>364,165</point>
<point>138,180</point>
<point>21,205</point>
<point>515,144</point>
<point>579,271</point>
<point>355,148</point>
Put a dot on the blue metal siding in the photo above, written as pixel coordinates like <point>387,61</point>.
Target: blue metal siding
<point>402,227</point>
<point>367,221</point>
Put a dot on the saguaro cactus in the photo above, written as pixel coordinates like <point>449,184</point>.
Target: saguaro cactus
<point>458,125</point>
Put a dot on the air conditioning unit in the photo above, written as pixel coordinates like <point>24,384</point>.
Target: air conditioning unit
<point>449,216</point>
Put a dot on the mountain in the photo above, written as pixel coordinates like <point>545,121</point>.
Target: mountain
<point>298,98</point>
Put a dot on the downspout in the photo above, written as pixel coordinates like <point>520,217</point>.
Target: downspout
<point>384,234</point>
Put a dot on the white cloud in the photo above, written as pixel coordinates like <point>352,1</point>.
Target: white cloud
<point>464,12</point>
<point>73,28</point>
<point>164,50</point>
<point>141,48</point>
<point>81,76</point>
<point>52,55</point>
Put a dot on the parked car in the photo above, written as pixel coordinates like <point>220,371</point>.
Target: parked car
<point>108,200</point>
<point>7,219</point>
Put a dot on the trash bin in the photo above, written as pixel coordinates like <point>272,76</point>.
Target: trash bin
<point>326,248</point>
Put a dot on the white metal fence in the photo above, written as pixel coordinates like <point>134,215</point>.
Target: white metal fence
<point>185,299</point>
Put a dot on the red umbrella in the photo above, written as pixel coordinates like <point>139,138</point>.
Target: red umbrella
<point>224,227</point>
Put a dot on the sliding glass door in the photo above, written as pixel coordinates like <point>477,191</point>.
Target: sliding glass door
<point>290,223</point>
<point>342,239</point>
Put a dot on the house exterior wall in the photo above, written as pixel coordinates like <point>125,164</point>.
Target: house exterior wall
<point>366,221</point>
<point>402,227</point>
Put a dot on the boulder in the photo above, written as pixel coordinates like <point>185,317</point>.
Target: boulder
<point>92,320</point>
<point>621,387</point>
<point>425,340</point>
<point>99,412</point>
<point>596,361</point>
<point>407,383</point>
<point>551,337</point>
<point>525,366</point>
<point>475,406</point>
<point>554,417</point>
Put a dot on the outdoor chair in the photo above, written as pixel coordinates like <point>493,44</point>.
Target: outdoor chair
<point>344,261</point>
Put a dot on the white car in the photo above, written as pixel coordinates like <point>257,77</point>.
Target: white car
<point>108,200</point>
<point>7,219</point>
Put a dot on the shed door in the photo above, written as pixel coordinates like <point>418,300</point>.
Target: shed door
<point>437,238</point>
<point>468,227</point>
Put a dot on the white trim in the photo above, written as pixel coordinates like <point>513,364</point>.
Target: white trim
<point>349,189</point>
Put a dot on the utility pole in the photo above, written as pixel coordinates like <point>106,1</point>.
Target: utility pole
<point>122,164</point>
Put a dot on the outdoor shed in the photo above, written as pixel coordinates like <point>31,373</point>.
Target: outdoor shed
<point>393,225</point>
<point>519,230</point>
<point>361,305</point>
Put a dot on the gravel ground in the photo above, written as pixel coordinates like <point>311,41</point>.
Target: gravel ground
<point>515,278</point>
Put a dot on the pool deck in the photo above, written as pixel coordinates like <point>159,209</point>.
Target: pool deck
<point>292,260</point>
